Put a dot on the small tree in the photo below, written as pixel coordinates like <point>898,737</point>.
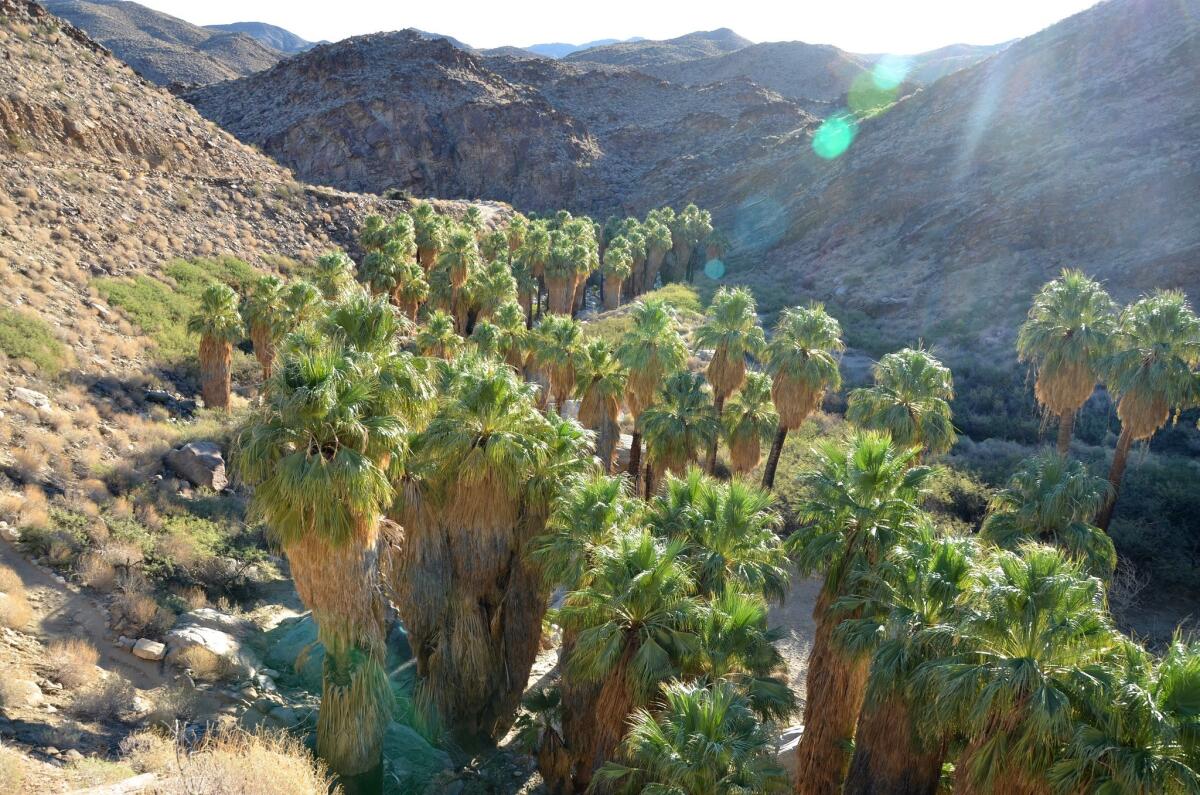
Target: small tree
<point>219,325</point>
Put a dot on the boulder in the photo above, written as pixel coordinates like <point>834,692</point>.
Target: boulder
<point>20,693</point>
<point>35,399</point>
<point>410,760</point>
<point>201,463</point>
<point>295,641</point>
<point>149,649</point>
<point>219,634</point>
<point>785,754</point>
<point>624,445</point>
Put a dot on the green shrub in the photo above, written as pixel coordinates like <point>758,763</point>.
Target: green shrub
<point>23,335</point>
<point>161,307</point>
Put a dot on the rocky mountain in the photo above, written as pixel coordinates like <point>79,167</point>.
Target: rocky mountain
<point>105,174</point>
<point>398,111</point>
<point>926,67</point>
<point>272,36</point>
<point>794,69</point>
<point>1074,147</point>
<point>562,50</point>
<point>638,54</point>
<point>162,48</point>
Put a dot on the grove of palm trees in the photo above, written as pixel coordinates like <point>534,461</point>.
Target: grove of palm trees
<point>445,433</point>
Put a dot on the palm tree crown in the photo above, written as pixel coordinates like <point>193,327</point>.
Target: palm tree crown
<point>910,400</point>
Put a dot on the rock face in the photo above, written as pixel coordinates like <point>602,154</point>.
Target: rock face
<point>163,48</point>
<point>201,463</point>
<point>223,636</point>
<point>396,110</point>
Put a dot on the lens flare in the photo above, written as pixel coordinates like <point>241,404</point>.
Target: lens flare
<point>890,71</point>
<point>866,96</point>
<point>834,136</point>
<point>714,269</point>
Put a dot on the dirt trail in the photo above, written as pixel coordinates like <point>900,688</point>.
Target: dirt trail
<point>62,612</point>
<point>795,617</point>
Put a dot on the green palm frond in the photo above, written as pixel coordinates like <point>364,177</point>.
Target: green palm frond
<point>216,316</point>
<point>910,400</point>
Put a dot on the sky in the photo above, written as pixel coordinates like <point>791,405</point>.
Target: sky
<point>865,26</point>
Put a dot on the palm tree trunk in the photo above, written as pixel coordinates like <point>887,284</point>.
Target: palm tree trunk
<point>889,757</point>
<point>836,684</point>
<point>1115,475</point>
<point>1066,424</point>
<point>635,459</point>
<point>595,738</point>
<point>264,349</point>
<point>340,584</point>
<point>719,405</point>
<point>773,457</point>
<point>612,293</point>
<point>215,372</point>
<point>649,482</point>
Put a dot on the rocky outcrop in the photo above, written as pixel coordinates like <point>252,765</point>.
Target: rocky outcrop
<point>399,111</point>
<point>201,463</point>
<point>224,637</point>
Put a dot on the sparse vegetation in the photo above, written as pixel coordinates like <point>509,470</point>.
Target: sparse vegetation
<point>24,336</point>
<point>72,662</point>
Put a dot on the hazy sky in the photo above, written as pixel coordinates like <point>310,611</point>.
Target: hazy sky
<point>899,26</point>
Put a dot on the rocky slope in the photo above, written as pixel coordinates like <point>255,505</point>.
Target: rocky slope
<point>638,54</point>
<point>162,48</point>
<point>398,110</point>
<point>271,36</point>
<point>793,69</point>
<point>1074,147</point>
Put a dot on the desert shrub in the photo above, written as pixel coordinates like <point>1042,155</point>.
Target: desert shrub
<point>72,662</point>
<point>206,666</point>
<point>161,309</point>
<point>23,335</point>
<point>171,705</point>
<point>95,571</point>
<point>109,698</point>
<point>681,297</point>
<point>958,498</point>
<point>15,612</point>
<point>96,772</point>
<point>137,614</point>
<point>229,761</point>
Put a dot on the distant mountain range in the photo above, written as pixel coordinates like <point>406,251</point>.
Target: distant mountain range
<point>271,36</point>
<point>561,50</point>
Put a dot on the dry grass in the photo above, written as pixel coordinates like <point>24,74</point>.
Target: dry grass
<point>12,772</point>
<point>96,572</point>
<point>107,699</point>
<point>137,614</point>
<point>231,761</point>
<point>170,705</point>
<point>72,662</point>
<point>15,612</point>
<point>206,666</point>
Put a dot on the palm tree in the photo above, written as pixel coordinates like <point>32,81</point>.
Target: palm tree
<point>217,322</point>
<point>649,350</point>
<point>1031,644</point>
<point>600,386</point>
<point>704,741</point>
<point>480,483</point>
<point>919,586</point>
<point>1066,337</point>
<point>731,329</point>
<point>398,277</point>
<point>802,360</point>
<point>265,318</point>
<point>437,336</point>
<point>910,400</point>
<point>535,251</point>
<point>678,426</point>
<point>429,233</point>
<point>334,275</point>
<point>472,221</point>
<point>860,502</point>
<point>1150,371</point>
<point>459,260</point>
<point>1052,500</point>
<point>658,243</point>
<point>1143,739</point>
<point>512,344</point>
<point>518,227</point>
<point>633,626</point>
<point>302,304</point>
<point>491,286</point>
<point>748,421</point>
<point>618,264</point>
<point>494,246</point>
<point>485,338</point>
<point>317,453</point>
<point>556,343</point>
<point>729,532</point>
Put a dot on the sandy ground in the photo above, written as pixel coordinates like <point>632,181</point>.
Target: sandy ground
<point>795,617</point>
